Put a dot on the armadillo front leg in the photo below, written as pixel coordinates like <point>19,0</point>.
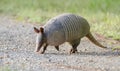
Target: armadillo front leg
<point>74,44</point>
<point>44,48</point>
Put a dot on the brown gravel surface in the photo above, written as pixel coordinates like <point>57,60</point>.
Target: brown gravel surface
<point>17,44</point>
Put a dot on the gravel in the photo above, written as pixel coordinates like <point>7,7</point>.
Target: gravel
<point>17,44</point>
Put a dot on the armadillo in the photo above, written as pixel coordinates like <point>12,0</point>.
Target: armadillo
<point>64,28</point>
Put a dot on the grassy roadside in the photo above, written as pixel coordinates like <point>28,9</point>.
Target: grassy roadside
<point>103,15</point>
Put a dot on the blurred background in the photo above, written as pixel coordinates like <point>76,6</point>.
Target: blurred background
<point>103,15</point>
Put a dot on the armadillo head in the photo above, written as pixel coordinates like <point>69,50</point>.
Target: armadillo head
<point>39,38</point>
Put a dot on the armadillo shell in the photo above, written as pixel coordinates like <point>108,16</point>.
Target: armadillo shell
<point>65,27</point>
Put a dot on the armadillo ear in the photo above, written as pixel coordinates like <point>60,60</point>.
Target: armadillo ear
<point>41,29</point>
<point>36,30</point>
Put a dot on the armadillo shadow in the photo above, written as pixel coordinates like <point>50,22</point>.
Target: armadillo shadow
<point>107,53</point>
<point>95,53</point>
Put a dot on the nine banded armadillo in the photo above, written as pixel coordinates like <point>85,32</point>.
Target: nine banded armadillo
<point>64,28</point>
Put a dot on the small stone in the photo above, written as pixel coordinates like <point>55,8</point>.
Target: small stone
<point>7,63</point>
<point>90,60</point>
<point>85,49</point>
<point>1,57</point>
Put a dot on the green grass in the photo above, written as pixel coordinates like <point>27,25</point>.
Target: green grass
<point>103,15</point>
<point>4,68</point>
<point>116,48</point>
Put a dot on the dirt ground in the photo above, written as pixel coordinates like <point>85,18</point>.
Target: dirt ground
<point>17,45</point>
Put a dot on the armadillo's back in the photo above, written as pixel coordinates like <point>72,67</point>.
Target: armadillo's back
<point>74,26</point>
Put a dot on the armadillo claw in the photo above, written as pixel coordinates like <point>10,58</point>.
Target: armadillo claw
<point>42,52</point>
<point>73,51</point>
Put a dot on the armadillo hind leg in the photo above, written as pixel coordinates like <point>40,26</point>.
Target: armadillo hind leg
<point>74,44</point>
<point>57,48</point>
<point>92,39</point>
<point>44,48</point>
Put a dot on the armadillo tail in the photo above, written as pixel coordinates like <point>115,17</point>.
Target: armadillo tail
<point>92,39</point>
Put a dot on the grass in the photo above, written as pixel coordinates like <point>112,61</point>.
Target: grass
<point>103,15</point>
<point>4,68</point>
<point>116,48</point>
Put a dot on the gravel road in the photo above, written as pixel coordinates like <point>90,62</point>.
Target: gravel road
<point>17,44</point>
